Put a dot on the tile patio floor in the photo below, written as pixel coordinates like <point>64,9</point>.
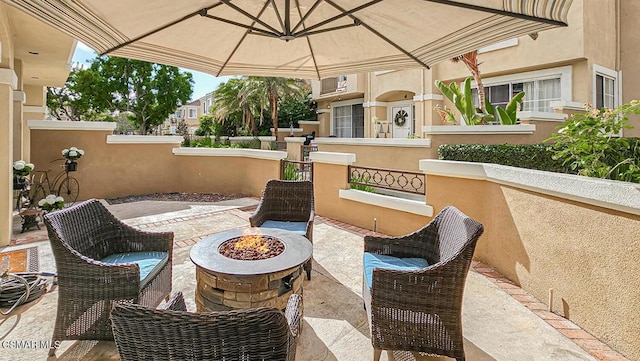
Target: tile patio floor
<point>501,322</point>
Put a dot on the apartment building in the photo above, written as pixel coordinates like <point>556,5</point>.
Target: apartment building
<point>191,113</point>
<point>593,60</point>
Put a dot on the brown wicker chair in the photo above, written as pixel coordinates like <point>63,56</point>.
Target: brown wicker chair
<point>265,334</point>
<point>85,240</point>
<point>416,305</point>
<point>287,205</point>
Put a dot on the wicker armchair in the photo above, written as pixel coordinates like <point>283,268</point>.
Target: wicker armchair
<point>85,240</point>
<point>266,334</point>
<point>415,305</point>
<point>287,205</point>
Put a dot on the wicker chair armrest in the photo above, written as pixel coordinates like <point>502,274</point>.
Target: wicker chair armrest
<point>442,281</point>
<point>92,272</point>
<point>259,216</point>
<point>293,314</point>
<point>176,302</point>
<point>411,245</point>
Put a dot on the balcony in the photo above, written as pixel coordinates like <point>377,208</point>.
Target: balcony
<point>342,85</point>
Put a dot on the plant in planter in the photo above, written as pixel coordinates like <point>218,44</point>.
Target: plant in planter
<point>462,99</point>
<point>51,203</point>
<point>71,155</point>
<point>21,169</point>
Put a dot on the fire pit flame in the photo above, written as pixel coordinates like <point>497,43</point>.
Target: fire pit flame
<point>251,246</point>
<point>252,241</point>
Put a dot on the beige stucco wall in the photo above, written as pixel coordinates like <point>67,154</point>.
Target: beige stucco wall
<point>629,59</point>
<point>6,157</point>
<point>403,158</point>
<point>586,254</point>
<point>115,170</point>
<point>330,178</point>
<point>233,175</point>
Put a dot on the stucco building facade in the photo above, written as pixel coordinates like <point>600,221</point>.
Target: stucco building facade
<point>593,60</point>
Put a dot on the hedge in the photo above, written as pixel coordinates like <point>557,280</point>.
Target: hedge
<point>530,156</point>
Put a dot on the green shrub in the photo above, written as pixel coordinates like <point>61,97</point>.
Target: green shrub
<point>588,143</point>
<point>361,187</point>
<point>530,156</point>
<point>291,172</point>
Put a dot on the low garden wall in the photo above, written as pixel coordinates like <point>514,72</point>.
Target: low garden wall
<point>121,165</point>
<point>374,152</point>
<point>575,235</point>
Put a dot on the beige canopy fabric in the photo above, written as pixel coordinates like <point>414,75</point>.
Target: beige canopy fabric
<point>295,38</point>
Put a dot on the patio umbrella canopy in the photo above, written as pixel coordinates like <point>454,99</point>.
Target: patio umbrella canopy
<point>295,38</point>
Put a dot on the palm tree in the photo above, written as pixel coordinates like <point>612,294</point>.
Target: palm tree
<point>470,59</point>
<point>232,102</point>
<point>270,89</point>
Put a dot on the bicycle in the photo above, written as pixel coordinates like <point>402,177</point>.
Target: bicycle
<point>63,185</point>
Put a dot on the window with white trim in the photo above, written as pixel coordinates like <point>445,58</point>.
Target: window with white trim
<point>541,87</point>
<point>604,87</point>
<point>538,94</point>
<point>193,113</point>
<point>348,121</point>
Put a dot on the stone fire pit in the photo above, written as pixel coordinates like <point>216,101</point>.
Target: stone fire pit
<point>225,283</point>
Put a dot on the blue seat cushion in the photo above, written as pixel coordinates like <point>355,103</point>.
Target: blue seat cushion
<point>150,263</point>
<point>374,260</point>
<point>295,227</point>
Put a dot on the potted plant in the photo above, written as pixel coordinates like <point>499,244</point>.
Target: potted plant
<point>21,169</point>
<point>72,154</point>
<point>51,203</point>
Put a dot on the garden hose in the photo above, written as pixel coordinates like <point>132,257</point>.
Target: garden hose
<point>19,288</point>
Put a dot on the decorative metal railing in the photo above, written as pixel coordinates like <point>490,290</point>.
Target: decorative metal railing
<point>296,170</point>
<point>392,179</point>
<point>306,149</point>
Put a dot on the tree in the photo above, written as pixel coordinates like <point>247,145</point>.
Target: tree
<point>148,91</point>
<point>232,105</point>
<point>291,109</point>
<point>470,60</point>
<point>69,103</point>
<point>272,89</point>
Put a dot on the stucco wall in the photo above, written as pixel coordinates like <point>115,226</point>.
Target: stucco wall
<point>403,158</point>
<point>108,170</point>
<point>330,178</point>
<point>586,254</point>
<point>115,170</point>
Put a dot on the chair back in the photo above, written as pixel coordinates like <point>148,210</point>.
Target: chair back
<point>457,233</point>
<point>286,200</point>
<point>149,334</point>
<point>84,228</point>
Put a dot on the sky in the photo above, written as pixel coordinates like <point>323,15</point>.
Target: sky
<point>203,82</point>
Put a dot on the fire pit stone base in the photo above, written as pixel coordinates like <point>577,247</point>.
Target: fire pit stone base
<point>222,292</point>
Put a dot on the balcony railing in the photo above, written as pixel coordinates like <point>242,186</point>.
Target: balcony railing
<point>329,85</point>
<point>391,179</point>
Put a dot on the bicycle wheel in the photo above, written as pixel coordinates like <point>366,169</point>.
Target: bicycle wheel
<point>37,195</point>
<point>69,190</point>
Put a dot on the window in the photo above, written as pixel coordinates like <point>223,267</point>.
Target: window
<point>348,121</point>
<point>604,87</point>
<point>178,113</point>
<point>193,113</point>
<point>541,87</point>
<point>538,94</point>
